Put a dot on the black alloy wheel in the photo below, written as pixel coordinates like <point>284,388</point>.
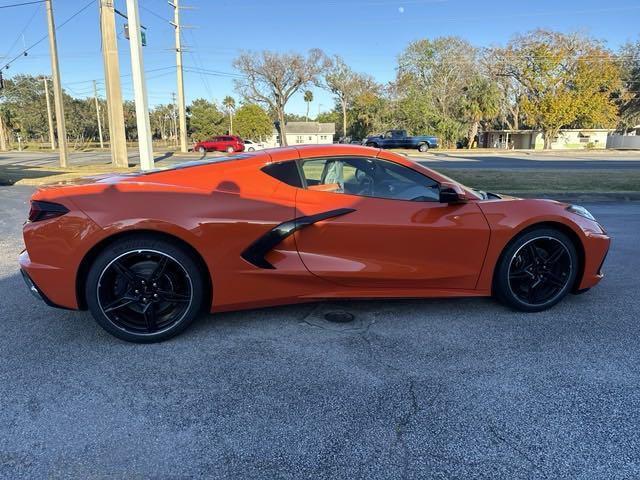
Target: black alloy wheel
<point>537,270</point>
<point>144,294</point>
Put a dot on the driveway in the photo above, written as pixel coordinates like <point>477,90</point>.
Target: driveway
<point>410,389</point>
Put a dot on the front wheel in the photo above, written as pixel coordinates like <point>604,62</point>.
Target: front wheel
<point>144,289</point>
<point>230,149</point>
<point>423,147</point>
<point>537,270</point>
<point>202,150</point>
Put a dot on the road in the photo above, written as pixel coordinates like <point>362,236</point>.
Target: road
<point>509,160</point>
<point>410,389</point>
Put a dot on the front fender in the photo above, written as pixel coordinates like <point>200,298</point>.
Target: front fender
<point>508,217</point>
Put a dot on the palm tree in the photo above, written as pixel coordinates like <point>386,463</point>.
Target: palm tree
<point>230,104</point>
<point>308,97</point>
<point>481,102</point>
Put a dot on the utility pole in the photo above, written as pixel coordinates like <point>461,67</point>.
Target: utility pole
<point>57,88</point>
<point>52,136</point>
<point>115,112</point>
<point>139,87</point>
<point>95,97</point>
<point>181,108</point>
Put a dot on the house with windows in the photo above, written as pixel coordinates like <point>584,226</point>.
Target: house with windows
<point>534,139</point>
<point>304,133</point>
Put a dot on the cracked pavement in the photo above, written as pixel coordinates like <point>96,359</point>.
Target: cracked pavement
<point>409,389</point>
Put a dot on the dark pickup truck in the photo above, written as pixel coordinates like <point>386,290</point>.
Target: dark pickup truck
<point>399,139</point>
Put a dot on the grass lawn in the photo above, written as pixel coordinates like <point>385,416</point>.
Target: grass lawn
<point>547,181</point>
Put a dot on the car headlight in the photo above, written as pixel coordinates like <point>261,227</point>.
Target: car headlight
<point>583,212</point>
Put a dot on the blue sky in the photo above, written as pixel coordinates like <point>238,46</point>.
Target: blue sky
<point>369,34</point>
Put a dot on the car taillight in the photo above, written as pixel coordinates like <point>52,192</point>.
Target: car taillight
<point>45,210</point>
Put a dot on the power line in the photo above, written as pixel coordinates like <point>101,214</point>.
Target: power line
<point>58,27</point>
<point>155,14</point>
<point>35,11</point>
<point>21,4</point>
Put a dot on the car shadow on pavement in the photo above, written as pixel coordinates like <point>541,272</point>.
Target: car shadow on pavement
<point>10,174</point>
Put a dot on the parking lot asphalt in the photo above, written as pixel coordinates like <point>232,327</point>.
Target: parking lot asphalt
<point>410,389</point>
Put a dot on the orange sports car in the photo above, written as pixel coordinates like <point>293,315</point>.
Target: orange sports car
<point>146,252</point>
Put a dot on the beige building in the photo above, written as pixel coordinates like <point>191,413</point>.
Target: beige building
<point>534,140</point>
<point>305,133</point>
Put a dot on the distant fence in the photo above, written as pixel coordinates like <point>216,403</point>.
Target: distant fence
<point>623,141</point>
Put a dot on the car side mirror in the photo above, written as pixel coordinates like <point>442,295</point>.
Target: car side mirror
<point>452,193</point>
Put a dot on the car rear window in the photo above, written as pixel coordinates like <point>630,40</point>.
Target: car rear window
<point>286,172</point>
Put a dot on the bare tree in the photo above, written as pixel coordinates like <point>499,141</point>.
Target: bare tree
<point>271,78</point>
<point>346,85</point>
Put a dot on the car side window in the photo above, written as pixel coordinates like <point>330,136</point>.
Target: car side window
<point>369,177</point>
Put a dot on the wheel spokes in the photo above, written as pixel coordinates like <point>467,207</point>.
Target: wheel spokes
<point>159,270</point>
<point>125,271</point>
<point>173,297</point>
<point>546,273</point>
<point>555,256</point>
<point>144,291</point>
<point>149,312</point>
<point>119,303</point>
<point>554,279</point>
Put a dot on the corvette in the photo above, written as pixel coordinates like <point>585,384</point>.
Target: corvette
<point>147,252</point>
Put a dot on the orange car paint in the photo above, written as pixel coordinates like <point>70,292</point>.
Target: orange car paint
<point>385,249</point>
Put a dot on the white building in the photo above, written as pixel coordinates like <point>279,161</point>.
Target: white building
<point>304,133</point>
<point>534,139</point>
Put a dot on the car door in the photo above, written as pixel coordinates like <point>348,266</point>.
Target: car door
<point>383,226</point>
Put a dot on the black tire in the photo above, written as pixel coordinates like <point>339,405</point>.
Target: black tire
<point>230,149</point>
<point>372,145</point>
<point>126,276</point>
<point>423,147</point>
<point>202,150</point>
<point>251,149</point>
<point>529,277</point>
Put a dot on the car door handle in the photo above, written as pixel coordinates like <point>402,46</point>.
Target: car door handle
<point>256,252</point>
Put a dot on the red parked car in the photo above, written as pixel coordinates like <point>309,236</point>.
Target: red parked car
<point>223,143</point>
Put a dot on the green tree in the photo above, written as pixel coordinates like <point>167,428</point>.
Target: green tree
<point>567,80</point>
<point>308,98</point>
<point>440,69</point>
<point>253,122</point>
<point>346,84</point>
<point>481,102</point>
<point>430,86</point>
<point>163,119</point>
<point>24,107</point>
<point>229,104</point>
<point>629,100</point>
<point>205,120</point>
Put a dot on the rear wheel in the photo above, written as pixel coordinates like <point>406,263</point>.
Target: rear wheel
<point>230,149</point>
<point>372,145</point>
<point>202,150</point>
<point>537,270</point>
<point>144,289</point>
<point>423,147</point>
